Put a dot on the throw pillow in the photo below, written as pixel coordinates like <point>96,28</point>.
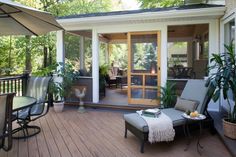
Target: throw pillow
<point>185,105</point>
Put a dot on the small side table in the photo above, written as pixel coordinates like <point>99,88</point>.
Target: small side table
<point>190,120</point>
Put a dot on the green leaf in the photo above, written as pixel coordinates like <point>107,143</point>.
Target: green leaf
<point>216,95</point>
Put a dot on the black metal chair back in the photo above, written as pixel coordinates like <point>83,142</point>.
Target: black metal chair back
<point>6,102</point>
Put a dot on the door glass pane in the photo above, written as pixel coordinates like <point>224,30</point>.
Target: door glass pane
<point>137,93</point>
<point>151,80</point>
<point>144,53</point>
<point>151,94</point>
<point>137,80</point>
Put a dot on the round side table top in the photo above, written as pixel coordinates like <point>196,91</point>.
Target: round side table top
<point>199,117</point>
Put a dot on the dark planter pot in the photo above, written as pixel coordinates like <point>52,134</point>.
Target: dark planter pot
<point>229,129</point>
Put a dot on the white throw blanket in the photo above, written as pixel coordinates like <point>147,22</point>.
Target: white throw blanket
<point>160,129</point>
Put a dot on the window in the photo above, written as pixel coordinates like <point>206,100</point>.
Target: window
<point>232,30</point>
<point>188,51</point>
<point>177,54</point>
<point>229,32</point>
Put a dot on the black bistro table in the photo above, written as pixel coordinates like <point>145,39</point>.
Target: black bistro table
<point>21,103</point>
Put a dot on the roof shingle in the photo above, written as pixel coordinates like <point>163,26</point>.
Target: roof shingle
<point>184,7</point>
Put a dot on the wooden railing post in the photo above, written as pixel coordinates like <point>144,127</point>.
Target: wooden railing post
<point>24,83</point>
<point>50,95</point>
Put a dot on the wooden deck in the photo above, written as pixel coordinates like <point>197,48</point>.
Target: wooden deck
<point>99,133</point>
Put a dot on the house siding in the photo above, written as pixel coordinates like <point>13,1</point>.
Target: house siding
<point>230,5</point>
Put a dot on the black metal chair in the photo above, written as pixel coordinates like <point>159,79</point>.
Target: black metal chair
<point>6,101</point>
<point>37,87</point>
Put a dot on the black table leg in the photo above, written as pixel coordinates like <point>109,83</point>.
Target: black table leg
<point>199,146</point>
<point>187,135</point>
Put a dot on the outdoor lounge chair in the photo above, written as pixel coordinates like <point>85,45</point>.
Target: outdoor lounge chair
<point>194,90</point>
<point>37,87</point>
<point>6,101</point>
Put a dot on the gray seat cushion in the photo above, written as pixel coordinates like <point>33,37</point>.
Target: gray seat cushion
<point>138,122</point>
<point>135,120</point>
<point>175,116</point>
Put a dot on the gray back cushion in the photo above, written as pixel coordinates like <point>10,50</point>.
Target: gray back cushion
<point>196,90</point>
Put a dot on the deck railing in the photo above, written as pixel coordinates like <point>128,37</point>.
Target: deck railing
<point>15,84</point>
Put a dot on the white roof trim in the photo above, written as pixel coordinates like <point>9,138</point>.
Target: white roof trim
<point>216,11</point>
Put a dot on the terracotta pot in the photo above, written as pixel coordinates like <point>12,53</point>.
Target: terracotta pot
<point>229,129</point>
<point>58,106</point>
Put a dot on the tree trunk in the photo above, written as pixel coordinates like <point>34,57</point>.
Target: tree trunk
<point>9,57</point>
<point>28,65</point>
<point>45,56</point>
<point>50,56</point>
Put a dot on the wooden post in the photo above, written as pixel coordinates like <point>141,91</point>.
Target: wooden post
<point>107,53</point>
<point>25,83</point>
<point>81,58</point>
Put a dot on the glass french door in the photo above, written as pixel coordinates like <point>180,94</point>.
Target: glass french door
<point>144,67</point>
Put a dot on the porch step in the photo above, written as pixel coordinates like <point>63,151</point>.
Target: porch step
<point>119,107</point>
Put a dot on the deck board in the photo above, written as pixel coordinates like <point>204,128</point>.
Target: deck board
<point>74,151</point>
<point>50,138</point>
<point>42,144</point>
<point>100,133</point>
<point>108,145</point>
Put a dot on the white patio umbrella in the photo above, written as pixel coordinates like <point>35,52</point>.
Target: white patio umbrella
<point>17,19</point>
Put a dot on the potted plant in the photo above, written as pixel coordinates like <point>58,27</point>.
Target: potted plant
<point>61,86</point>
<point>223,80</point>
<point>56,88</point>
<point>103,73</point>
<point>167,95</point>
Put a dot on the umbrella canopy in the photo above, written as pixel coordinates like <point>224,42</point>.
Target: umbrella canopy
<point>17,19</point>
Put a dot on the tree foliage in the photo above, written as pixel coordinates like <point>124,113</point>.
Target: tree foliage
<point>34,53</point>
<point>160,3</point>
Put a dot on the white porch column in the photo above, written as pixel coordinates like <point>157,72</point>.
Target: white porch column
<point>81,58</point>
<point>214,38</point>
<point>60,47</point>
<point>222,36</point>
<point>95,65</point>
<point>235,31</point>
<point>164,55</point>
<point>60,50</point>
<point>214,47</point>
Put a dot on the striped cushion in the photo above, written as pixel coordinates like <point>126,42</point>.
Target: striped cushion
<point>37,88</point>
